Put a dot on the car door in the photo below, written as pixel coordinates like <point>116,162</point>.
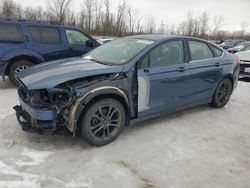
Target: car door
<point>162,75</point>
<point>78,42</point>
<point>206,70</point>
<point>46,41</point>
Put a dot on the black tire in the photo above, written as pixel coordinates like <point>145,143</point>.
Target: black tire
<point>18,66</point>
<point>103,122</point>
<point>222,93</point>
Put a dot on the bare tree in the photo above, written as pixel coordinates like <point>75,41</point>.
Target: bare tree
<point>243,29</point>
<point>30,13</point>
<point>97,18</point>
<point>120,26</point>
<point>217,24</point>
<point>150,24</point>
<point>8,8</point>
<point>204,23</point>
<point>132,19</point>
<point>98,15</point>
<point>196,27</point>
<point>190,22</point>
<point>106,21</point>
<point>88,5</point>
<point>59,8</point>
<point>162,28</point>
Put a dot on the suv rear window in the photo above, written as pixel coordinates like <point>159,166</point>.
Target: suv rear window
<point>10,32</point>
<point>45,35</point>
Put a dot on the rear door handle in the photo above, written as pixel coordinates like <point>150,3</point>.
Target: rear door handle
<point>181,69</point>
<point>27,38</point>
<point>146,70</point>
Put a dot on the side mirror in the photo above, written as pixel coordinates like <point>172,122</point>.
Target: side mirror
<point>89,43</point>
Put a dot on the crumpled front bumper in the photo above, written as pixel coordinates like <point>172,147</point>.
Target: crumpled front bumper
<point>35,120</point>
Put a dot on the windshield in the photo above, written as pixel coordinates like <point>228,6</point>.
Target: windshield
<point>118,52</point>
<point>228,42</point>
<point>243,45</point>
<point>247,48</point>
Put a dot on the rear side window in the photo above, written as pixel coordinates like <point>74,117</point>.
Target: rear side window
<point>10,32</point>
<point>217,51</point>
<point>45,35</point>
<point>199,51</point>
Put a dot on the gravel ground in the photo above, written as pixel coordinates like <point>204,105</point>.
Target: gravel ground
<point>200,147</point>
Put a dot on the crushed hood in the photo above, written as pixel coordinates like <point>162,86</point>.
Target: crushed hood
<point>49,75</point>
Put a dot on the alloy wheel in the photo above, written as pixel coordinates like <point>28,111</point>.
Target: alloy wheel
<point>105,122</point>
<point>20,69</point>
<point>224,93</point>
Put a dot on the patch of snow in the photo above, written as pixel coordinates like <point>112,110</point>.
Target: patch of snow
<point>8,99</point>
<point>37,157</point>
<point>24,180</point>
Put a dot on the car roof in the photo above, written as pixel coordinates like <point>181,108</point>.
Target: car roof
<point>160,37</point>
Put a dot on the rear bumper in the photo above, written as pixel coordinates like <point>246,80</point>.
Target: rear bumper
<point>3,66</point>
<point>33,120</point>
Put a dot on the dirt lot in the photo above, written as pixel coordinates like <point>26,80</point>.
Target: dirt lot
<point>201,147</point>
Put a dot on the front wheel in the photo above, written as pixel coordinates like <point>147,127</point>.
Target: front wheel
<point>103,122</point>
<point>17,67</point>
<point>222,93</point>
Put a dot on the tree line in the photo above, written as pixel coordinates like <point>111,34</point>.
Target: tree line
<point>97,18</point>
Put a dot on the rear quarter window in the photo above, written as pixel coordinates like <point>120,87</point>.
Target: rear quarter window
<point>217,52</point>
<point>45,35</point>
<point>11,33</point>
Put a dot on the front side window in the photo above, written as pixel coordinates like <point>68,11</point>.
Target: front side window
<point>76,37</point>
<point>11,33</point>
<point>169,53</point>
<point>44,35</point>
<point>118,52</point>
<point>199,51</point>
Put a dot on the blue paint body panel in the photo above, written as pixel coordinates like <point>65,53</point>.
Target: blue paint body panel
<point>38,114</point>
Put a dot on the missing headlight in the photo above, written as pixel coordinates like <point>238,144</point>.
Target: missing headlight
<point>60,97</point>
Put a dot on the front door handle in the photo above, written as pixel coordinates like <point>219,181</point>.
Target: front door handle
<point>146,70</point>
<point>181,69</point>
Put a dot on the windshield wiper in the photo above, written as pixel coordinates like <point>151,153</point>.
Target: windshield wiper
<point>97,61</point>
<point>101,62</point>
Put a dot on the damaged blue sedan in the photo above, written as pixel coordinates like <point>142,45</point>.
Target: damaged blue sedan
<point>123,82</point>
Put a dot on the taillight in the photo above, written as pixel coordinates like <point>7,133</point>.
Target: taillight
<point>238,61</point>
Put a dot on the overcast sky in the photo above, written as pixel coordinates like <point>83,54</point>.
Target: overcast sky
<point>235,12</point>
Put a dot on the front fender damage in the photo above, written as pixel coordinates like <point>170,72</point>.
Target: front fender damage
<point>86,90</point>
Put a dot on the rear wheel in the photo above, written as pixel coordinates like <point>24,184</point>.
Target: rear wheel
<point>17,67</point>
<point>222,93</point>
<point>103,122</point>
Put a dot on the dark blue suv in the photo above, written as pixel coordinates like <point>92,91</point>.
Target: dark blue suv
<point>25,43</point>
